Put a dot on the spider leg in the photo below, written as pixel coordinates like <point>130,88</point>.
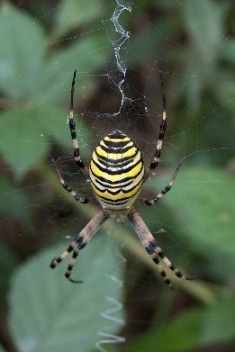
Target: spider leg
<point>164,190</point>
<point>69,188</point>
<point>151,246</point>
<point>72,127</point>
<point>79,242</point>
<point>161,135</point>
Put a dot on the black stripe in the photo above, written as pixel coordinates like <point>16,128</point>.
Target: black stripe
<point>121,189</point>
<point>163,125</point>
<point>117,135</point>
<point>151,246</point>
<point>114,185</point>
<point>72,127</point>
<point>116,202</point>
<point>116,172</point>
<point>116,144</point>
<point>122,161</point>
<point>125,179</point>
<point>116,150</point>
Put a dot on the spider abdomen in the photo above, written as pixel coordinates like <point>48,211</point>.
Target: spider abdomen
<point>116,171</point>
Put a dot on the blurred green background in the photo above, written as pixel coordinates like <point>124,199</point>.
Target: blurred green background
<point>122,296</point>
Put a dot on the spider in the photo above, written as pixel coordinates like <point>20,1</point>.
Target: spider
<point>117,174</point>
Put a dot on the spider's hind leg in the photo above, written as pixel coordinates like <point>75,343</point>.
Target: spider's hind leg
<point>151,251</point>
<point>151,246</point>
<point>169,264</point>
<point>56,261</point>
<point>71,265</point>
<point>80,241</point>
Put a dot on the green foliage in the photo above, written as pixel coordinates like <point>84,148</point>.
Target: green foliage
<point>49,313</point>
<point>180,335</point>
<point>12,202</point>
<point>192,330</point>
<point>74,13</point>
<point>206,217</point>
<point>37,85</point>
<point>8,262</point>
<point>23,40</point>
<point>192,42</point>
<point>210,27</point>
<point>216,328</point>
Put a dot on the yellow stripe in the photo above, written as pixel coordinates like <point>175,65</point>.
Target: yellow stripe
<point>116,140</point>
<point>132,173</point>
<point>108,157</point>
<point>132,161</point>
<point>118,196</point>
<point>129,153</point>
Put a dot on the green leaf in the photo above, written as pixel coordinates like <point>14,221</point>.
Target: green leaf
<point>203,203</point>
<point>21,51</point>
<point>26,129</point>
<point>192,329</point>
<point>26,136</point>
<point>53,122</point>
<point>219,324</point>
<point>86,55</point>
<point>149,41</point>
<point>206,33</point>
<point>2,349</point>
<point>13,200</point>
<point>8,262</point>
<point>74,13</point>
<point>49,313</point>
<point>21,142</point>
<point>181,334</point>
<point>228,51</point>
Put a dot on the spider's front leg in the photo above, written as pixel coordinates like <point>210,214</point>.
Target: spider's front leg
<point>72,127</point>
<point>79,242</point>
<point>161,135</point>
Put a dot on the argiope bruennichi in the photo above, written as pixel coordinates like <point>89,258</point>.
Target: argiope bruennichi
<point>117,174</point>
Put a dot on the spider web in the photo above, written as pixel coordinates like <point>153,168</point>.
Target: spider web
<point>122,91</point>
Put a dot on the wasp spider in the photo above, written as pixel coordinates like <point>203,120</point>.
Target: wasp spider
<point>117,174</point>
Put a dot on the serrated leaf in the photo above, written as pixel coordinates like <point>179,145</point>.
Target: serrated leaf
<point>49,313</point>
<point>21,51</point>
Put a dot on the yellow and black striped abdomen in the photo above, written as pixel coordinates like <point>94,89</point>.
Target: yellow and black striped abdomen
<point>116,171</point>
